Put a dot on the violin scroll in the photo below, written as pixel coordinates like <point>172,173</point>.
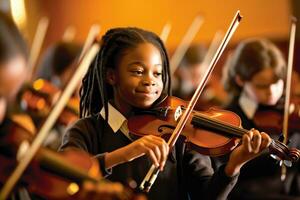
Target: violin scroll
<point>281,152</point>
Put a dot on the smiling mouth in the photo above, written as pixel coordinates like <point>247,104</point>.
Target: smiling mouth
<point>148,94</point>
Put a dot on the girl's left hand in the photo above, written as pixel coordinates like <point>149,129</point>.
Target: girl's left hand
<point>253,143</point>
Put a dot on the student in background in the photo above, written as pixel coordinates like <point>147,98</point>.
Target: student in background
<point>254,78</point>
<point>188,76</point>
<point>58,63</point>
<point>57,67</point>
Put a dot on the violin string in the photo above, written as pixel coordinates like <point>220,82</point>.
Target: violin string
<point>228,128</point>
<point>281,149</point>
<point>231,129</point>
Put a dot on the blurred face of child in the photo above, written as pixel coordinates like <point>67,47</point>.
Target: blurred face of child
<point>12,76</point>
<point>265,88</point>
<point>137,81</point>
<point>191,75</point>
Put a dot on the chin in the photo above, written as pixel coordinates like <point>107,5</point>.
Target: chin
<point>271,102</point>
<point>143,106</point>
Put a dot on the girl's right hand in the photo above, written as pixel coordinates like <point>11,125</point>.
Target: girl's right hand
<point>155,147</point>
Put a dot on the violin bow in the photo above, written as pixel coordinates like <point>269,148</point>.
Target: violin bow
<point>288,89</point>
<point>213,47</point>
<point>92,35</point>
<point>69,34</point>
<point>48,124</point>
<point>185,43</point>
<point>153,171</point>
<point>37,45</point>
<point>165,32</point>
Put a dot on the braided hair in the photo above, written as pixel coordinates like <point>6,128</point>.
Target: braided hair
<point>113,45</point>
<point>250,57</point>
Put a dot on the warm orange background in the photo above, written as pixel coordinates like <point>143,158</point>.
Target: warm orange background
<point>268,18</point>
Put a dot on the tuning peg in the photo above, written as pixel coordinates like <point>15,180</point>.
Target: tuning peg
<point>281,138</point>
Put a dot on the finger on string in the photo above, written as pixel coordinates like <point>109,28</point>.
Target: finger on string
<point>247,143</point>
<point>266,140</point>
<point>256,141</point>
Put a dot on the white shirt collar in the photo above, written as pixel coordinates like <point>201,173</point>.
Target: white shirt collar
<point>248,105</point>
<point>115,118</point>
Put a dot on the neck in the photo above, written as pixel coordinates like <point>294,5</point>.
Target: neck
<point>122,108</point>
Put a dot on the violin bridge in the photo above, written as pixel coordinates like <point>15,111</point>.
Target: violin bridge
<point>178,113</point>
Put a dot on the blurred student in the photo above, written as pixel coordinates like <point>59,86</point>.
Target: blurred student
<point>254,77</point>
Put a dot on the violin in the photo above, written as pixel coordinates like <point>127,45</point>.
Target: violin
<point>214,132</point>
<point>273,123</point>
<point>56,175</point>
<point>38,99</point>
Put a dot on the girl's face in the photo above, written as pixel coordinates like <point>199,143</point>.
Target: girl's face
<point>12,76</point>
<point>264,88</point>
<point>137,81</point>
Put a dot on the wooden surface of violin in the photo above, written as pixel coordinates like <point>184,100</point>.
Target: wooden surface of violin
<point>270,119</point>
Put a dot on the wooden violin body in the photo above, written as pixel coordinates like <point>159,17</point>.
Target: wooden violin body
<point>203,140</point>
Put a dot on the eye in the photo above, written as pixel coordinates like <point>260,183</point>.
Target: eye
<point>137,72</point>
<point>262,86</point>
<point>157,74</point>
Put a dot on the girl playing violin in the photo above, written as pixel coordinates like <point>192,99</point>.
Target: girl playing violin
<point>131,71</point>
<point>254,77</point>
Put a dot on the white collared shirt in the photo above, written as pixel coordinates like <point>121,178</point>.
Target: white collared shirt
<point>248,105</point>
<point>116,120</point>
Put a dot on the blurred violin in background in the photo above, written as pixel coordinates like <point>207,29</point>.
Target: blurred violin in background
<point>39,97</point>
<point>56,175</point>
<point>270,119</point>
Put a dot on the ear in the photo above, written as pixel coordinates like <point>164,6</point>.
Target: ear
<point>111,76</point>
<point>240,82</point>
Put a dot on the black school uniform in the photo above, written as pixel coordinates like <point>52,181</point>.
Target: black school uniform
<point>187,174</point>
